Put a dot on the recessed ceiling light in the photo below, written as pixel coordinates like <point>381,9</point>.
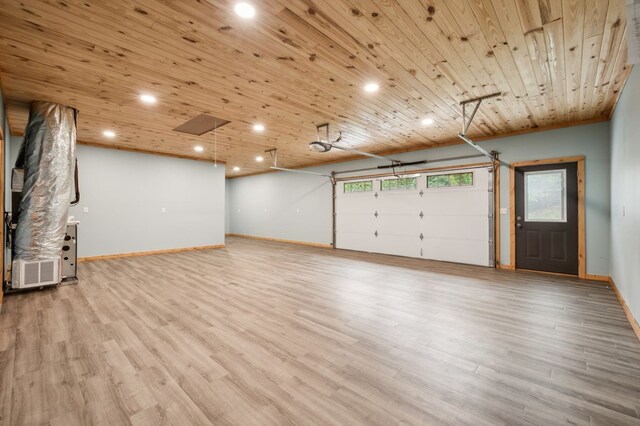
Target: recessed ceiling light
<point>259,158</point>
<point>148,99</point>
<point>109,134</point>
<point>427,121</point>
<point>258,127</point>
<point>245,10</point>
<point>236,169</point>
<point>198,148</point>
<point>371,87</point>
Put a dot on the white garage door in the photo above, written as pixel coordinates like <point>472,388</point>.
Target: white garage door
<point>439,215</point>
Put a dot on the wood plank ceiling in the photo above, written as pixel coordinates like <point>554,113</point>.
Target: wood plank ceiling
<point>299,63</point>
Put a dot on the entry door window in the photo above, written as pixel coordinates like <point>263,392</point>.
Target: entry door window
<point>545,196</point>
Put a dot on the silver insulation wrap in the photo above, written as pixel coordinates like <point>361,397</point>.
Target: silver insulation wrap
<point>48,157</point>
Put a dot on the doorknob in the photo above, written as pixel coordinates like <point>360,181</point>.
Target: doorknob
<point>519,225</point>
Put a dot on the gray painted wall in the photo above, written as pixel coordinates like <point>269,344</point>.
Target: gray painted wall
<point>126,191</point>
<point>227,221</point>
<point>625,194</point>
<point>298,207</point>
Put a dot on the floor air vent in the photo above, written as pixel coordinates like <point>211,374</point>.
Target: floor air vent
<point>36,274</point>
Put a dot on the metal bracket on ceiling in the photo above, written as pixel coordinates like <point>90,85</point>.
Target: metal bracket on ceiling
<point>273,152</point>
<point>466,121</point>
<point>325,126</point>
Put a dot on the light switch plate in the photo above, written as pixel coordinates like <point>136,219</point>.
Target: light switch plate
<point>164,210</point>
<point>504,210</point>
<point>86,210</point>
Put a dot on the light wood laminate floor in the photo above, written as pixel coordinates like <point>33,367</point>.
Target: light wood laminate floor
<point>270,333</point>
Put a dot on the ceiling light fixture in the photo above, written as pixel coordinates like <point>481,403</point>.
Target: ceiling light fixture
<point>198,148</point>
<point>258,127</point>
<point>236,169</point>
<point>245,10</point>
<point>371,87</point>
<point>259,158</point>
<point>427,121</point>
<point>109,134</point>
<point>148,99</point>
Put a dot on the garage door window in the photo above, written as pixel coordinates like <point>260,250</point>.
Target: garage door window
<point>401,183</point>
<point>362,186</point>
<point>450,180</point>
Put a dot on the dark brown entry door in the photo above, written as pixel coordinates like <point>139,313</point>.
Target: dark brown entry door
<point>547,218</point>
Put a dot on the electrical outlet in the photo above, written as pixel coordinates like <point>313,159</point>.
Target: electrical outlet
<point>504,210</point>
<point>86,210</point>
<point>164,210</point>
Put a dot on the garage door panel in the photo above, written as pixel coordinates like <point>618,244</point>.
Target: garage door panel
<point>361,241</point>
<point>355,223</point>
<point>396,202</point>
<point>355,203</point>
<point>399,233</point>
<point>399,244</point>
<point>457,227</point>
<point>460,251</point>
<point>443,203</point>
<point>399,223</point>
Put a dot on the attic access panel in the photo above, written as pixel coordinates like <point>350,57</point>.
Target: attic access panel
<point>201,124</point>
